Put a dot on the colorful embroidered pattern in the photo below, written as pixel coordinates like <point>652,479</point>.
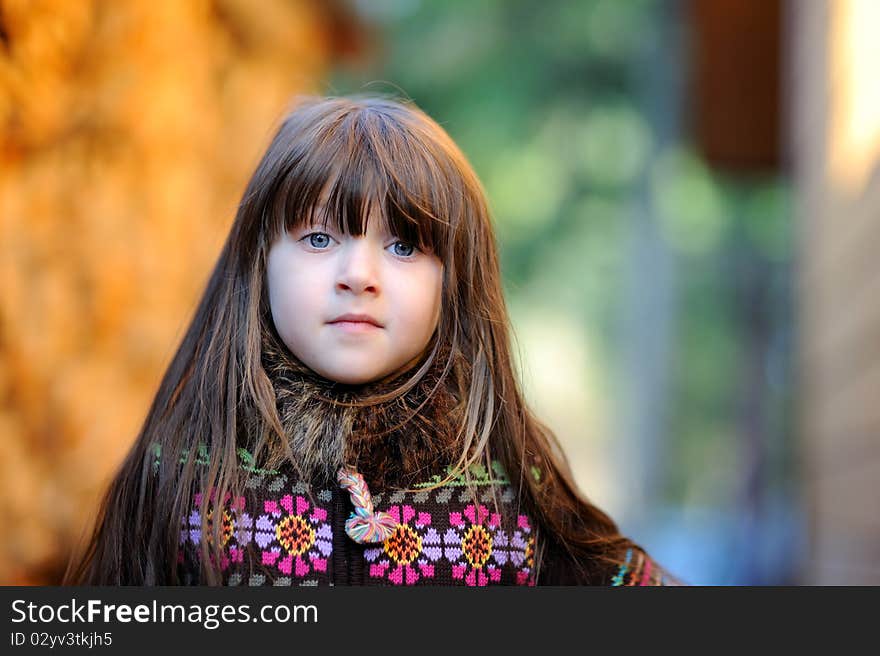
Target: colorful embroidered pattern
<point>479,548</point>
<point>294,536</point>
<point>277,535</point>
<point>519,550</point>
<point>410,553</point>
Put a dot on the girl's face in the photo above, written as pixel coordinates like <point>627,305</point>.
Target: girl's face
<point>317,275</point>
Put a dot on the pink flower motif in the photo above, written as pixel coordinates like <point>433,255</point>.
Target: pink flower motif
<point>470,546</point>
<point>408,554</point>
<point>294,536</point>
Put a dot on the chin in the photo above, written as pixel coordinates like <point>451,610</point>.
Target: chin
<point>349,378</point>
<point>351,381</point>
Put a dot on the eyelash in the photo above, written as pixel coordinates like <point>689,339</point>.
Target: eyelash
<point>405,257</point>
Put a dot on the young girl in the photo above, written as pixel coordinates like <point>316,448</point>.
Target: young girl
<point>343,408</point>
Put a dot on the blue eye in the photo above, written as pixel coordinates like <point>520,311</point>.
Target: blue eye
<point>406,246</point>
<point>318,240</point>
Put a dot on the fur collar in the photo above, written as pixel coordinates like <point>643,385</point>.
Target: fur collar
<point>394,444</point>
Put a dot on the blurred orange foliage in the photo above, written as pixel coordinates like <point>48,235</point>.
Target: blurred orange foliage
<point>127,133</point>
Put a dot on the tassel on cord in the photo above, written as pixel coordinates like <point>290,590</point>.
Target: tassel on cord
<point>364,525</point>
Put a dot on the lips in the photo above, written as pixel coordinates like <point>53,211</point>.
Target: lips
<point>355,319</point>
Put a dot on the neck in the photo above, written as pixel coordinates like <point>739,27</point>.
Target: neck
<point>394,435</point>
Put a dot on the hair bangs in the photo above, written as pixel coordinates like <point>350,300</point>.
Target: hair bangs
<point>362,167</point>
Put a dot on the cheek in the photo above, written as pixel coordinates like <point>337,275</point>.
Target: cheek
<point>288,298</point>
<point>294,302</point>
<point>438,300</point>
<point>426,295</point>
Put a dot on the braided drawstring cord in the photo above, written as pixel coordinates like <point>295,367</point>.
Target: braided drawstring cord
<point>365,525</point>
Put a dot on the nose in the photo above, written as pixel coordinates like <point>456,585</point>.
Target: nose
<point>358,269</point>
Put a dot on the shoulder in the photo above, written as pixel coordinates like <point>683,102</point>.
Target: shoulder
<point>636,568</point>
<point>640,569</point>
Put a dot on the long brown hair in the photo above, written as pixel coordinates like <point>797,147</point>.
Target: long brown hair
<point>359,152</point>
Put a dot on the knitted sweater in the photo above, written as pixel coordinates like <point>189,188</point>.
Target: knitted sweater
<point>282,532</point>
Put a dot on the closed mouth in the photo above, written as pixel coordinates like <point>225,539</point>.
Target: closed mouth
<point>356,319</point>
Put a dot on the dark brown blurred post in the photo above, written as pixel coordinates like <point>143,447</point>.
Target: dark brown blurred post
<point>736,60</point>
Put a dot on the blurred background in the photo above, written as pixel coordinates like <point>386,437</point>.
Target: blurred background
<point>685,195</point>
